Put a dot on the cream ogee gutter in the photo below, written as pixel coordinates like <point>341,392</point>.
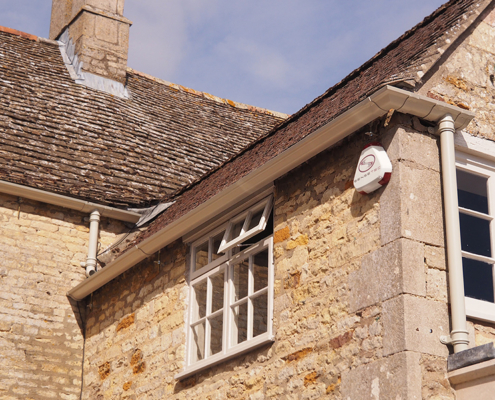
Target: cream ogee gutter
<point>67,202</point>
<point>459,336</point>
<point>374,106</point>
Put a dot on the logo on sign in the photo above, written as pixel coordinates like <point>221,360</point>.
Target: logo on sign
<point>367,163</point>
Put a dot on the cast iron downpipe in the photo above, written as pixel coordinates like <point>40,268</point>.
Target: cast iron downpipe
<point>459,336</point>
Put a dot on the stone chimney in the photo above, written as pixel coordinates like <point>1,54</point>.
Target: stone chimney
<point>99,34</point>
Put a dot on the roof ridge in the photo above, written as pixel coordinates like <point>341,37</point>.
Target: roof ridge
<point>18,33</point>
<point>210,96</point>
<point>27,35</point>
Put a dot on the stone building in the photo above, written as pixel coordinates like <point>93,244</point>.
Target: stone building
<point>254,269</point>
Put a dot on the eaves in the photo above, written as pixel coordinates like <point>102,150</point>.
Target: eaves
<point>374,106</point>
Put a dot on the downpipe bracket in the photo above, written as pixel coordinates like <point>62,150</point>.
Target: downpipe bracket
<point>455,338</point>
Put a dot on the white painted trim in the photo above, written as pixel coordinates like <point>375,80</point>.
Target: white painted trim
<point>471,162</point>
<point>471,374</point>
<point>474,163</point>
<point>212,264</point>
<point>241,348</point>
<point>226,215</point>
<point>474,145</point>
<point>476,214</point>
<point>477,257</point>
<point>229,349</point>
<point>377,105</point>
<point>479,309</point>
<point>246,216</point>
<point>67,202</point>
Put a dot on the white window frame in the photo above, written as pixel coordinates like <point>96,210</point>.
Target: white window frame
<point>265,205</point>
<point>212,264</point>
<point>475,308</point>
<point>226,263</point>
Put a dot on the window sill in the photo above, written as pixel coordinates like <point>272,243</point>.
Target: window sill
<point>479,309</point>
<point>474,382</point>
<point>221,357</point>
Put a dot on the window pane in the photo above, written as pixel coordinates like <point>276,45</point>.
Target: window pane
<point>201,255</point>
<point>472,192</point>
<point>216,325</point>
<point>236,229</point>
<point>200,306</point>
<point>216,241</point>
<point>260,270</point>
<point>478,280</point>
<point>255,219</point>
<point>217,290</point>
<point>198,333</point>
<point>240,276</point>
<point>475,235</point>
<point>260,317</point>
<point>260,236</point>
<point>239,330</point>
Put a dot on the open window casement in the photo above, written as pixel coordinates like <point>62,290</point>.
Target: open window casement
<point>246,225</point>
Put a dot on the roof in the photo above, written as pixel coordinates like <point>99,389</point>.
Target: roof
<point>405,61</point>
<point>65,138</point>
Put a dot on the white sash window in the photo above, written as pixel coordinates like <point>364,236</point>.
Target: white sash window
<point>231,289</point>
<point>476,198</point>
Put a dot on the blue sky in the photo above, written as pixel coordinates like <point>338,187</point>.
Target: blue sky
<point>276,54</point>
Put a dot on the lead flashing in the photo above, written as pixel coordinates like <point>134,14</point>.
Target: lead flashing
<point>471,356</point>
<point>74,66</point>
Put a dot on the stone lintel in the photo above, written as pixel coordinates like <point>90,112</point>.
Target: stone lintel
<point>471,356</point>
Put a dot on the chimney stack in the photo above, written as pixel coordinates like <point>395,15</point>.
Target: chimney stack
<point>99,32</point>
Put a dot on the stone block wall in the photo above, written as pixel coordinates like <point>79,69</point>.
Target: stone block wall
<point>360,294</point>
<point>101,44</point>
<point>135,330</point>
<point>41,337</point>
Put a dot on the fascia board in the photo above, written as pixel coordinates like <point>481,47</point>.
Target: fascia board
<point>67,202</point>
<point>372,107</point>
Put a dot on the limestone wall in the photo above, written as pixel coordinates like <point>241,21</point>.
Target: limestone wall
<point>467,79</point>
<point>360,294</point>
<point>40,333</point>
<point>135,330</point>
